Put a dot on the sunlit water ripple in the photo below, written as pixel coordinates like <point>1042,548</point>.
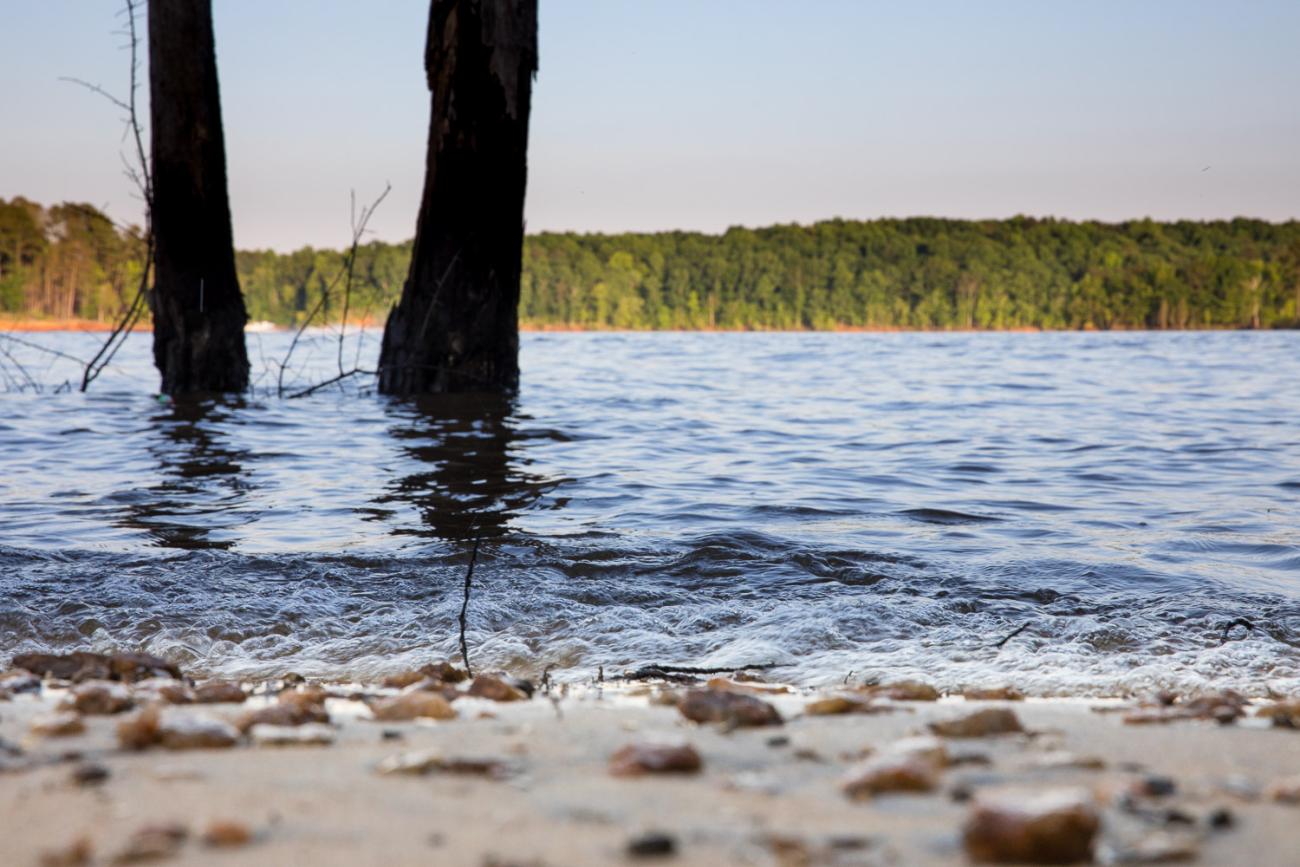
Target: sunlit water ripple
<point>887,505</point>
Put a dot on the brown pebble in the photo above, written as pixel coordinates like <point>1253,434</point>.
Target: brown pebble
<point>140,731</point>
<point>412,705</point>
<point>837,704</point>
<point>429,761</point>
<point>654,758</point>
<point>79,852</point>
<point>1055,826</point>
<point>909,690</point>
<point>305,735</point>
<point>163,689</point>
<point>90,774</point>
<point>997,693</point>
<point>981,723</point>
<point>1284,791</point>
<point>735,709</point>
<point>227,835</point>
<point>151,843</point>
<point>178,730</point>
<point>98,698</point>
<point>890,772</point>
<point>293,713</point>
<point>219,692</point>
<point>495,688</point>
<point>59,724</point>
<point>1283,714</point>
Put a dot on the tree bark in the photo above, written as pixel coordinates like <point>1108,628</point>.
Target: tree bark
<point>198,310</point>
<point>456,327</point>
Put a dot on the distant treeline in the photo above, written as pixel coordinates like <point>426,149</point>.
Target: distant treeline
<point>922,273</point>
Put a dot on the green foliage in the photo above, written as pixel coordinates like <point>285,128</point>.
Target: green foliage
<point>920,273</point>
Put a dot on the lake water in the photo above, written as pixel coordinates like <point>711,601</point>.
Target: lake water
<point>890,505</point>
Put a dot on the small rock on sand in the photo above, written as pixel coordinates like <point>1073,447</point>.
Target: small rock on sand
<point>654,758</point>
<point>77,853</point>
<point>1054,826</point>
<point>652,844</point>
<point>153,843</point>
<point>997,693</point>
<point>908,690</point>
<point>429,761</point>
<point>90,774</point>
<point>890,772</point>
<point>293,713</point>
<point>495,688</point>
<point>58,724</point>
<point>412,705</point>
<point>1284,791</point>
<point>308,734</point>
<point>707,705</point>
<point>179,730</point>
<point>227,835</point>
<point>98,698</point>
<point>981,723</point>
<point>1284,714</point>
<point>219,692</point>
<point>837,704</point>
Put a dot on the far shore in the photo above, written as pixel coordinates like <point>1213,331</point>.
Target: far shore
<point>95,326</point>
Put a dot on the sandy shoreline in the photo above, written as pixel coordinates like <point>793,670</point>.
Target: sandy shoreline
<point>764,795</point>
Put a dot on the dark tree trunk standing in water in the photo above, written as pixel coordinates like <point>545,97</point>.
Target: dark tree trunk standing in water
<point>456,327</point>
<point>198,311</point>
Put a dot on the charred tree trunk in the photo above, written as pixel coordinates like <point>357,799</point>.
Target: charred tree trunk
<point>198,310</point>
<point>456,327</point>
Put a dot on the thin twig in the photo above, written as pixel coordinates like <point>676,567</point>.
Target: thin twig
<point>464,607</point>
<point>140,176</point>
<point>312,389</point>
<point>359,224</point>
<point>1019,629</point>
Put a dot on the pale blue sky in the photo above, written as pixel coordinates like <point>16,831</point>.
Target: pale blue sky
<point>699,114</point>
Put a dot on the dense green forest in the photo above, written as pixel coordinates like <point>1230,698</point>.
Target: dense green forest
<point>70,261</point>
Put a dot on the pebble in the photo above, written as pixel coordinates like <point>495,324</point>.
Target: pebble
<point>1054,826</point>
<point>708,705</point>
<point>152,843</point>
<point>412,705</point>
<point>307,734</point>
<point>652,844</point>
<point>90,774</point>
<point>1062,760</point>
<point>227,835</point>
<point>1153,786</point>
<point>76,854</point>
<point>1283,714</point>
<point>1160,848</point>
<point>17,681</point>
<point>179,730</point>
<point>1284,791</point>
<point>292,713</point>
<point>999,693</point>
<point>909,690</point>
<point>492,687</point>
<point>838,704</point>
<point>98,698</point>
<point>888,772</point>
<point>428,761</point>
<point>219,692</point>
<point>981,723</point>
<point>165,690</point>
<point>654,758</point>
<point>58,724</point>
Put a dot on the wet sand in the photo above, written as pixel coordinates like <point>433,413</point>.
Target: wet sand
<point>768,795</point>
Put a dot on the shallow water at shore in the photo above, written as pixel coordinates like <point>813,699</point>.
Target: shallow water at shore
<point>887,504</point>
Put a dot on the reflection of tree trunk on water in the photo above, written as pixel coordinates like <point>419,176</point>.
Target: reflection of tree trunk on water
<point>200,472</point>
<point>474,486</point>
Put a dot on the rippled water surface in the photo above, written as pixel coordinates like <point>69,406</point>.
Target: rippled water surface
<point>891,505</point>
